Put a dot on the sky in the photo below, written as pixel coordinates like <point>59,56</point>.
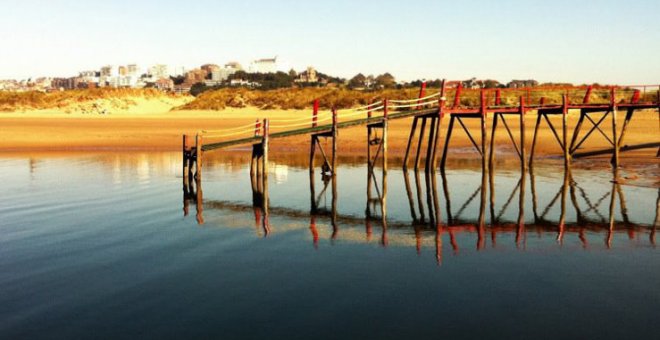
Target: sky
<point>583,41</point>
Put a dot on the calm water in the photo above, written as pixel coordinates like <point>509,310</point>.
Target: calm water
<point>98,246</point>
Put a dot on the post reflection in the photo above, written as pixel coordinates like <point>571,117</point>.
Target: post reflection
<point>564,208</point>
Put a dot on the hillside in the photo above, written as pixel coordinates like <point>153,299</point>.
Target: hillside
<point>91,101</point>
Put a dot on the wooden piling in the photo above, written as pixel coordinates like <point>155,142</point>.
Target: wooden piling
<point>413,129</point>
<point>534,138</point>
<point>384,141</point>
<point>312,152</point>
<point>523,153</point>
<point>184,153</point>
<point>420,143</point>
<point>198,155</point>
<point>564,130</point>
<point>430,144</point>
<point>443,161</point>
<point>491,156</point>
<point>264,160</point>
<point>615,135</point>
<point>334,142</point>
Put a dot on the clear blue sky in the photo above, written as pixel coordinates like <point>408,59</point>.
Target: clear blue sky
<point>560,40</point>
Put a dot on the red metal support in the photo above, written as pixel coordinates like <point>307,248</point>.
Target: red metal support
<point>612,96</point>
<point>422,93</point>
<point>498,97</point>
<point>542,101</point>
<point>587,96</point>
<point>635,97</point>
<point>457,97</point>
<point>422,90</point>
<point>315,113</point>
<point>257,127</point>
<point>482,109</point>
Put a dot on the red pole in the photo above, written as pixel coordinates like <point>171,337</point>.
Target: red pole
<point>369,109</point>
<point>587,96</point>
<point>385,108</point>
<point>457,98</point>
<point>498,97</point>
<point>315,113</point>
<point>257,127</point>
<point>483,103</point>
<point>612,96</point>
<point>422,90</point>
<point>422,93</point>
<point>635,97</point>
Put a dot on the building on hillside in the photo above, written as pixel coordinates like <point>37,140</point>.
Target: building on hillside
<point>308,76</point>
<point>164,84</point>
<point>64,83</point>
<point>223,73</point>
<point>158,71</point>
<point>210,68</point>
<point>522,83</point>
<point>264,66</point>
<point>195,76</point>
<point>234,65</point>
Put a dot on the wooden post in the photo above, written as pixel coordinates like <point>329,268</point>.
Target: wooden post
<point>536,132</point>
<point>420,142</point>
<point>334,141</point>
<point>198,162</point>
<point>484,131</point>
<point>430,145</point>
<point>185,159</point>
<point>447,139</point>
<point>523,154</point>
<point>441,114</point>
<point>264,160</point>
<point>410,140</point>
<point>312,151</point>
<point>383,203</point>
<point>564,129</point>
<point>491,156</point>
<point>615,135</point>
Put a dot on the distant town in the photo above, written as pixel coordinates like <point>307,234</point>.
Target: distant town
<point>260,74</point>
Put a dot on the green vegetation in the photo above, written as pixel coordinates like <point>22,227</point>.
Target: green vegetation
<point>293,98</point>
<point>35,100</point>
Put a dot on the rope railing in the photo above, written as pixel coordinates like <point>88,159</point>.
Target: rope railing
<point>458,97</point>
<point>275,126</point>
<point>404,101</point>
<point>417,104</point>
<point>228,129</point>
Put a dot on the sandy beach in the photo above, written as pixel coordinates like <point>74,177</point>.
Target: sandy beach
<point>152,125</point>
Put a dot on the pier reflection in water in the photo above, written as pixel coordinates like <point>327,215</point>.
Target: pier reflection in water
<point>97,244</point>
<point>483,206</point>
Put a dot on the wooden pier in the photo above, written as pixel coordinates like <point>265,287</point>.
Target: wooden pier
<point>594,104</point>
<point>488,106</point>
